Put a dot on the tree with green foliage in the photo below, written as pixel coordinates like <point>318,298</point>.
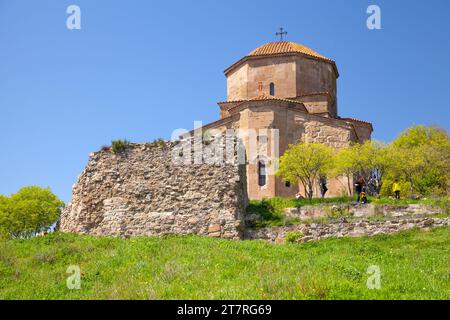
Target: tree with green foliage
<point>369,160</point>
<point>372,163</point>
<point>345,165</point>
<point>4,221</point>
<point>421,156</point>
<point>305,163</point>
<point>29,211</point>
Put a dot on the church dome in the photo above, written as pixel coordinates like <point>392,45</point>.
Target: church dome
<point>282,47</point>
<point>279,48</point>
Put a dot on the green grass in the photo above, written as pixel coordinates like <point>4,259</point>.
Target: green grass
<point>414,265</point>
<point>282,203</point>
<point>438,202</point>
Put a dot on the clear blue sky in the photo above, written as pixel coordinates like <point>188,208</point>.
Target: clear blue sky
<point>139,69</point>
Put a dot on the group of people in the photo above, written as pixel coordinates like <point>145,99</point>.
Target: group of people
<point>360,187</point>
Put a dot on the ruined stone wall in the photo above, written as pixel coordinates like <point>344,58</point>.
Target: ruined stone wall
<point>387,211</point>
<point>364,227</point>
<point>141,192</point>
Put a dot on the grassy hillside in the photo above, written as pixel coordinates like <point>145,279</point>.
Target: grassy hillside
<point>414,265</point>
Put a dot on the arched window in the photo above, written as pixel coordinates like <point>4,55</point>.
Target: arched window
<point>272,89</point>
<point>261,173</point>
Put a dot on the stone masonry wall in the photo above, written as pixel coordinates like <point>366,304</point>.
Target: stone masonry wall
<point>363,227</point>
<point>141,192</point>
<point>364,210</point>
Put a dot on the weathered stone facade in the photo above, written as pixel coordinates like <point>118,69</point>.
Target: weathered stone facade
<point>142,192</point>
<point>290,88</point>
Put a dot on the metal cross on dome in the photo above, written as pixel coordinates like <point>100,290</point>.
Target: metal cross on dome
<point>281,33</point>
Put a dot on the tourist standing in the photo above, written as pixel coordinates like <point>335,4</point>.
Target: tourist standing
<point>323,186</point>
<point>359,185</point>
<point>396,189</point>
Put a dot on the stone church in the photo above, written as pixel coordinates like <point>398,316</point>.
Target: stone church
<point>280,87</point>
<point>286,86</point>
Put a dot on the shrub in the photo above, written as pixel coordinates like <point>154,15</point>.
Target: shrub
<point>293,236</point>
<point>271,214</point>
<point>120,145</point>
<point>386,188</point>
<point>156,143</point>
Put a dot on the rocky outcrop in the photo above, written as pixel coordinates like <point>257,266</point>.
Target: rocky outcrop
<point>363,227</point>
<point>142,192</point>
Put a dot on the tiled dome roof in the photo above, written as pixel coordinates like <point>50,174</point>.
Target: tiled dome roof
<point>281,47</point>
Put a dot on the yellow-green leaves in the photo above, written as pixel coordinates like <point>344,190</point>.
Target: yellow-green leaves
<point>29,211</point>
<point>305,163</point>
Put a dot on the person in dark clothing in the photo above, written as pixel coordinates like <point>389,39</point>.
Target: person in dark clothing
<point>359,185</point>
<point>323,186</point>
